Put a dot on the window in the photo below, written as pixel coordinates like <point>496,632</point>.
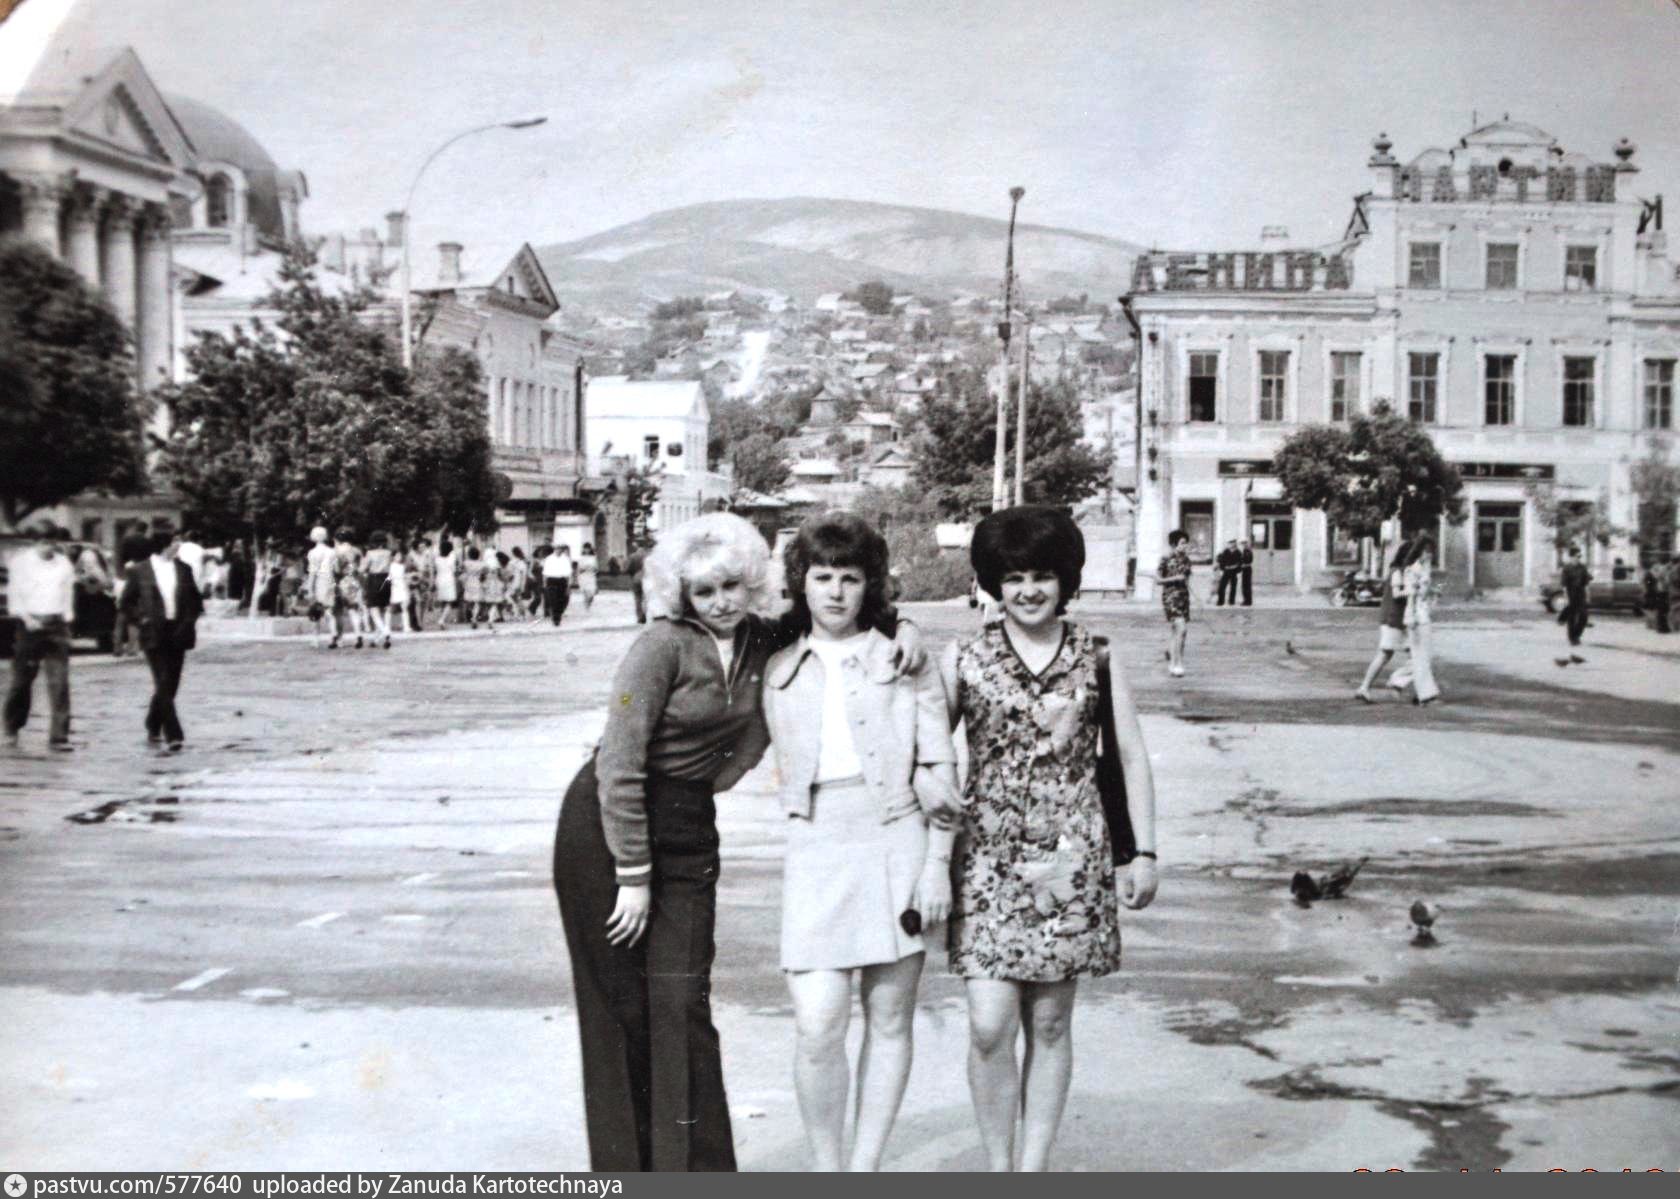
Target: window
<point>1578,392</point>
<point>650,448</point>
<point>1424,383</point>
<point>1343,546</point>
<point>1195,517</point>
<point>1501,266</point>
<point>675,449</point>
<point>1499,389</point>
<point>1344,386</point>
<point>1425,268</point>
<point>1580,268</point>
<point>1659,393</point>
<point>218,202</point>
<point>1204,387</point>
<point>1274,384</point>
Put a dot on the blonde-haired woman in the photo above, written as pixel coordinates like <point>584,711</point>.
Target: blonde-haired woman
<point>636,853</point>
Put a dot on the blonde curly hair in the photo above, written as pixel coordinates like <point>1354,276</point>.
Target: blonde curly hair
<point>709,548</point>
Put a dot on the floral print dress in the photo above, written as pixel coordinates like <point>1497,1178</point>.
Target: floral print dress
<point>1175,596</point>
<point>1033,896</point>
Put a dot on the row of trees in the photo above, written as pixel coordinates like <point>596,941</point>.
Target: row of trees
<point>312,419</point>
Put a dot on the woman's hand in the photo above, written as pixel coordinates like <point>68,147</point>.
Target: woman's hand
<point>1138,889</point>
<point>933,892</point>
<point>629,919</point>
<point>909,654</point>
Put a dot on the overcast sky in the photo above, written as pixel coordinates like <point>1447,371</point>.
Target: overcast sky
<point>1183,123</point>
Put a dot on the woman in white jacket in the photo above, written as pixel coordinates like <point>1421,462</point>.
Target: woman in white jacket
<point>860,751</point>
<point>1419,590</point>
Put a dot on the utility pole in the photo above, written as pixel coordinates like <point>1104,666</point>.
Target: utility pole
<point>1021,412</point>
<point>1000,495</point>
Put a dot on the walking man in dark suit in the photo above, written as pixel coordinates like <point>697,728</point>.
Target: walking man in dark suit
<point>1247,566</point>
<point>1230,565</point>
<point>161,599</point>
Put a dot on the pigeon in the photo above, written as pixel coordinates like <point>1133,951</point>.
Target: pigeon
<point>1561,661</point>
<point>1337,882</point>
<point>1577,659</point>
<point>1423,919</point>
<point>1289,647</point>
<point>1304,889</point>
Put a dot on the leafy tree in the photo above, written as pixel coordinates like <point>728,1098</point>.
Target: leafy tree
<point>760,465</point>
<point>315,420</point>
<point>1574,522</point>
<point>957,440</point>
<point>70,418</point>
<point>677,309</point>
<point>875,296</point>
<point>1380,467</point>
<point>1656,488</point>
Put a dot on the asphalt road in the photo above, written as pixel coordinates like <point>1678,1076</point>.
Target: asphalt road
<point>324,936</point>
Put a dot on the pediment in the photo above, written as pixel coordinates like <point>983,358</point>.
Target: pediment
<point>121,107</point>
<point>528,278</point>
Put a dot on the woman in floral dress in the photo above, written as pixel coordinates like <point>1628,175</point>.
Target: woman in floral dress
<point>1174,577</point>
<point>1034,903</point>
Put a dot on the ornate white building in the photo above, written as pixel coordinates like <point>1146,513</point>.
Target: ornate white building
<point>92,164</point>
<point>1514,298</point>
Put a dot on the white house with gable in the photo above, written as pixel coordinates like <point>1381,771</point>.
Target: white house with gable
<point>662,426</point>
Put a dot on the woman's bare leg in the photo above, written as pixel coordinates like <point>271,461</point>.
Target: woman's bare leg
<point>1046,1069</point>
<point>994,1078</point>
<point>822,1007</point>
<point>1384,656</point>
<point>889,1010</point>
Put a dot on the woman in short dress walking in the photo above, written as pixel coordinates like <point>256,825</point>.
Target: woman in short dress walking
<point>472,586</point>
<point>402,594</point>
<point>378,565</point>
<point>859,750</point>
<point>352,600</point>
<point>1034,907</point>
<point>589,575</point>
<point>1173,575</point>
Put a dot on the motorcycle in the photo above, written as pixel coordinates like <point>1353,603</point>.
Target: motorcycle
<point>1356,588</point>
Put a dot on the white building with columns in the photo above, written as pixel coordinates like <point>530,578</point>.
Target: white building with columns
<point>1515,299</point>
<point>92,164</point>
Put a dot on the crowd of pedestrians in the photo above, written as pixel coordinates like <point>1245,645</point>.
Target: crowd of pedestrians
<point>403,587</point>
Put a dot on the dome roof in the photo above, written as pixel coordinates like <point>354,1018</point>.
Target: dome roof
<point>217,137</point>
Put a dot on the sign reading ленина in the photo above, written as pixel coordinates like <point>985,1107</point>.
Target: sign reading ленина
<point>1284,270</point>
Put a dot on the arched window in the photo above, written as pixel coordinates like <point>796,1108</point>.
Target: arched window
<point>218,202</point>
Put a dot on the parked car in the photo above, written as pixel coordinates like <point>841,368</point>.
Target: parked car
<point>96,607</point>
<point>1617,587</point>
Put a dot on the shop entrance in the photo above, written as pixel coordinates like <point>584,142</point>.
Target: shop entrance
<point>1271,534</point>
<point>1499,545</point>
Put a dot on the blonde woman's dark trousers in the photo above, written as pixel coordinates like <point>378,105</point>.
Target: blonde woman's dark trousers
<point>653,1089</point>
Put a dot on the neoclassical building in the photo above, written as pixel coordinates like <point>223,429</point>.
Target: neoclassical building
<point>496,304</point>
<point>92,165</point>
<point>1514,298</point>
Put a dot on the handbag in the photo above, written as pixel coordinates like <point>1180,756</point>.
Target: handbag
<point>1111,777</point>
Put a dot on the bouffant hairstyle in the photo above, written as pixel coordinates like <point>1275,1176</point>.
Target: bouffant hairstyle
<point>718,545</point>
<point>839,539</point>
<point>1177,537</point>
<point>1031,537</point>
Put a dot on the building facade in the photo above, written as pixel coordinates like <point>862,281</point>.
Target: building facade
<point>660,429</point>
<point>496,305</point>
<point>1515,299</point>
<point>92,165</point>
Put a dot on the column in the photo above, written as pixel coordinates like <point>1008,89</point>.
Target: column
<point>117,242</point>
<point>81,243</point>
<point>41,196</point>
<point>153,325</point>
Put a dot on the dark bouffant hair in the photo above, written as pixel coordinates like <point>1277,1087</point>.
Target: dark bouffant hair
<point>1031,537</point>
<point>1177,536</point>
<point>839,539</point>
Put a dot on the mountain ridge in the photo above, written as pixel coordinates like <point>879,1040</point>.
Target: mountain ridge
<point>804,246</point>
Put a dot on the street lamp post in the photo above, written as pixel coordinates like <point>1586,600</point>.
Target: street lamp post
<point>1000,496</point>
<point>408,223</point>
